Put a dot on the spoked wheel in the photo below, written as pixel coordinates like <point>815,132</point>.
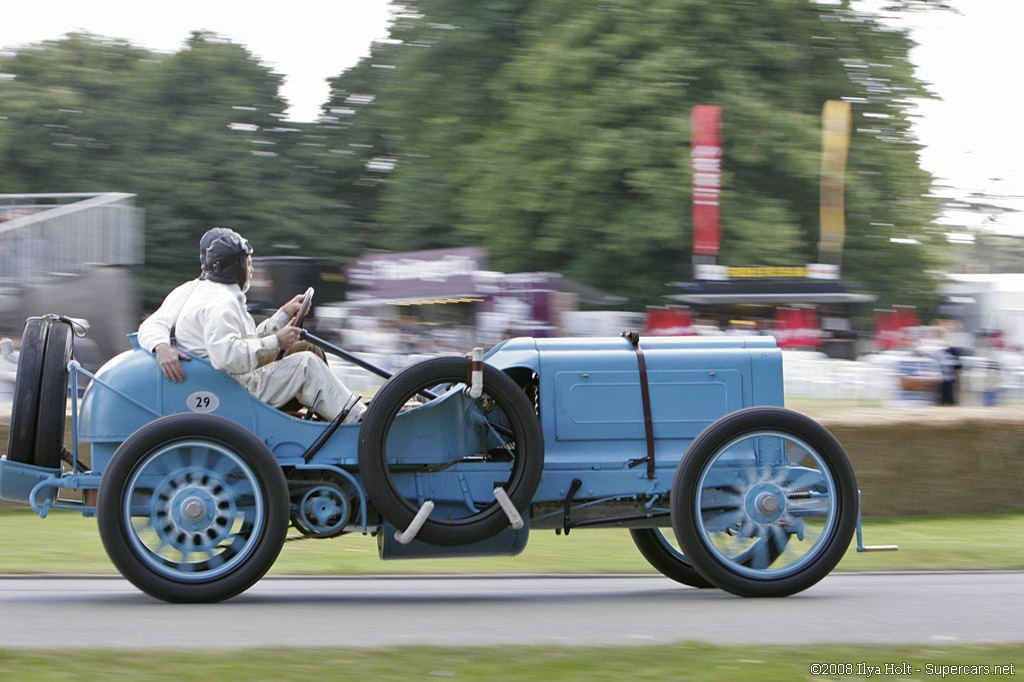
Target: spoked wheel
<point>193,508</point>
<point>662,553</point>
<point>764,502</point>
<point>450,449</point>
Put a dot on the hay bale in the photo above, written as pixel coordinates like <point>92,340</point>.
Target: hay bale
<point>909,461</point>
<point>934,460</point>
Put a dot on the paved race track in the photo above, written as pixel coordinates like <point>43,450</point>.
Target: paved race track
<point>938,608</point>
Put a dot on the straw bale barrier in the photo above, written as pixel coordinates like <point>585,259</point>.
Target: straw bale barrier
<point>933,460</point>
<point>925,460</point>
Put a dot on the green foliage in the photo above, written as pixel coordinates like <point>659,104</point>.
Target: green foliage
<point>991,253</point>
<point>558,135</point>
<point>460,660</point>
<point>198,135</point>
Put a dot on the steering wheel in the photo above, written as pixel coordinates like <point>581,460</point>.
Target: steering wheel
<point>307,302</point>
<point>300,317</point>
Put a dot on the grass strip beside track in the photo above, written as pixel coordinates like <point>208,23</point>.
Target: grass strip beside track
<point>66,543</point>
<point>681,661</point>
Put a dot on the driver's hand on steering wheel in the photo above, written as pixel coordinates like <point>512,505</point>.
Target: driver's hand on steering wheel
<point>288,335</point>
<point>291,308</point>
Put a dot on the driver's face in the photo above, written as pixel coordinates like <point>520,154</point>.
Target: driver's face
<point>248,273</point>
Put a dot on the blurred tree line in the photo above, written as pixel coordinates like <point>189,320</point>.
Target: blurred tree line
<point>199,135</point>
<point>556,134</point>
<point>991,253</point>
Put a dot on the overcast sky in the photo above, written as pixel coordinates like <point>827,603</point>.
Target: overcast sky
<point>974,138</point>
<point>975,135</point>
<point>306,41</point>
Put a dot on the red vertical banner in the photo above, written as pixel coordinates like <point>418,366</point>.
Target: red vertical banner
<point>706,157</point>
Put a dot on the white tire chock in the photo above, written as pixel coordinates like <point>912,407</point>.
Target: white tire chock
<point>476,373</point>
<point>407,536</point>
<point>510,510</point>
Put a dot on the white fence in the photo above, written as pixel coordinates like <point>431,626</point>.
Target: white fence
<point>875,377</point>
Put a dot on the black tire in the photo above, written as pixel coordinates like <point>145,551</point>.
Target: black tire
<point>509,407</point>
<point>164,498</point>
<point>53,396</point>
<point>764,503</point>
<point>21,442</point>
<point>669,561</point>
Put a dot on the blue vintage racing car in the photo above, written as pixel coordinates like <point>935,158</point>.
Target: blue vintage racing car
<point>684,441</point>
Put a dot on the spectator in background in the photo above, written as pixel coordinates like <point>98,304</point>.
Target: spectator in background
<point>989,370</point>
<point>950,366</point>
<point>920,376</point>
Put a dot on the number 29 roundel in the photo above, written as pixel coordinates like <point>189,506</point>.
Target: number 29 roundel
<point>203,401</point>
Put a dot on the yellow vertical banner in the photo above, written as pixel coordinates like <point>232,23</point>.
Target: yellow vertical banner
<point>835,142</point>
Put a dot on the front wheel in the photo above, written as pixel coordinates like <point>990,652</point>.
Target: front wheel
<point>764,502</point>
<point>193,508</point>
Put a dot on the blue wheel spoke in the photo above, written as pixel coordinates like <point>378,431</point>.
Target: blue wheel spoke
<point>806,478</point>
<point>759,555</point>
<point>241,490</point>
<point>221,466</point>
<point>748,529</point>
<point>719,500</point>
<point>779,537</point>
<point>234,543</point>
<point>719,523</point>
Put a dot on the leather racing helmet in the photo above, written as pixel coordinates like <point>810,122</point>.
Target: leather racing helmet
<point>225,259</point>
<point>207,239</point>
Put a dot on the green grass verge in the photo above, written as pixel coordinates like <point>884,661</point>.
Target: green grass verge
<point>67,543</point>
<point>682,661</point>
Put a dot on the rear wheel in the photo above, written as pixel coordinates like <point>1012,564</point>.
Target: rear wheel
<point>662,553</point>
<point>193,508</point>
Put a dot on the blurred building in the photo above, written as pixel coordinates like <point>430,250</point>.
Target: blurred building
<point>988,303</point>
<point>448,299</point>
<point>802,306</point>
<point>73,255</point>
<point>278,279</point>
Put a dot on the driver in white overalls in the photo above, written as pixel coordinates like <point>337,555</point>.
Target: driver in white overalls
<point>212,322</point>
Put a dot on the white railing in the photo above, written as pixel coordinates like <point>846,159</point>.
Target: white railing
<point>876,377</point>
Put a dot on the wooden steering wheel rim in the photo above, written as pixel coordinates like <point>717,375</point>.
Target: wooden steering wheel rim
<point>300,317</point>
<point>307,302</point>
